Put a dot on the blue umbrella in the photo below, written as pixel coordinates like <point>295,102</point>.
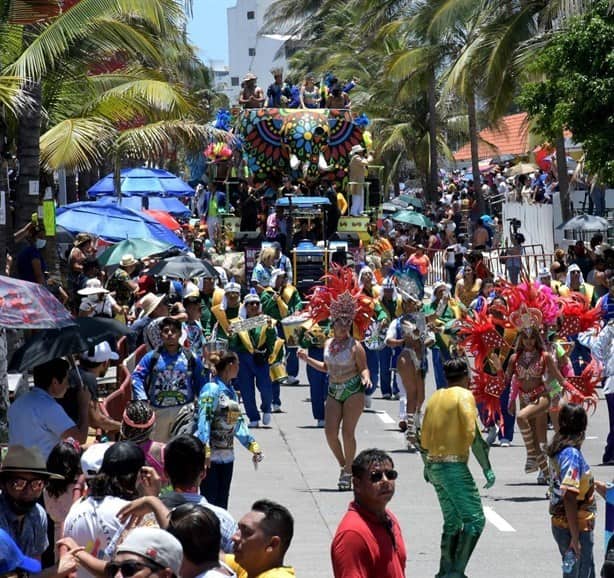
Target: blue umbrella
<point>113,223</point>
<point>169,205</point>
<point>143,182</point>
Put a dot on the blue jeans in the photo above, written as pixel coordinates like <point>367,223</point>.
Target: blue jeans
<point>252,376</point>
<point>439,357</point>
<point>509,420</point>
<point>585,565</point>
<point>373,360</point>
<point>385,378</point>
<point>318,384</point>
<point>216,486</point>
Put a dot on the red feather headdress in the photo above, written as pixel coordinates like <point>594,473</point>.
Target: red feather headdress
<point>341,297</point>
<point>532,295</point>
<point>577,315</point>
<point>581,389</point>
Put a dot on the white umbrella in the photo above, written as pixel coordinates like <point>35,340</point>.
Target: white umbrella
<point>585,223</point>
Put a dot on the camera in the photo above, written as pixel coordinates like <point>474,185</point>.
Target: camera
<point>515,225</point>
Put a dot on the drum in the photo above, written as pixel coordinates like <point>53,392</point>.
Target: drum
<point>375,337</point>
<point>292,327</point>
<point>278,371</point>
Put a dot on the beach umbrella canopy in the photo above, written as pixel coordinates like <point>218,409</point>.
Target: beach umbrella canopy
<point>113,223</point>
<point>143,182</point>
<point>522,169</point>
<point>25,305</point>
<point>138,248</point>
<point>164,218</point>
<point>585,223</point>
<point>171,205</point>
<point>183,267</point>
<point>412,218</point>
<point>49,344</point>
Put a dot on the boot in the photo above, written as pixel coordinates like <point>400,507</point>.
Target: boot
<point>449,543</point>
<point>464,549</point>
<point>542,463</point>
<point>532,453</point>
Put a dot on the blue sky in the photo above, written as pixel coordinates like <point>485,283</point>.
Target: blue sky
<point>208,28</point>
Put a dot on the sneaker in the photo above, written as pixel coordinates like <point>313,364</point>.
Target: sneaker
<point>395,396</point>
<point>493,430</point>
<point>368,401</point>
<point>266,418</point>
<point>254,423</point>
<point>387,396</point>
<point>505,443</point>
<point>276,408</point>
<point>320,423</point>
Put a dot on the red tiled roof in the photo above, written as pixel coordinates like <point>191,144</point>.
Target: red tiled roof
<point>510,138</point>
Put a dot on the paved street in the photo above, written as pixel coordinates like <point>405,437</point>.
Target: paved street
<point>300,472</point>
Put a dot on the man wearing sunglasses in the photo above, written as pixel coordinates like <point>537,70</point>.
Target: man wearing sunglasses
<point>368,542</point>
<point>449,429</point>
<point>145,553</point>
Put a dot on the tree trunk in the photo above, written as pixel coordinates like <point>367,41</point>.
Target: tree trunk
<point>475,159</point>
<point>28,154</point>
<point>561,166</point>
<point>433,167</point>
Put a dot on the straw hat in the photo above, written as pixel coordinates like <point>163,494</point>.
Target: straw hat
<point>149,303</point>
<point>249,76</point>
<point>81,239</point>
<point>127,260</point>
<point>21,459</point>
<point>92,287</point>
<point>357,149</point>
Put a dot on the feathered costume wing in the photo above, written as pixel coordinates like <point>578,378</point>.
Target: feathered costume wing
<point>581,388</point>
<point>410,280</point>
<point>577,315</point>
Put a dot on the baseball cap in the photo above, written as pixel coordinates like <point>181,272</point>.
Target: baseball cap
<point>122,458</point>
<point>156,545</point>
<point>91,459</point>
<point>12,558</point>
<point>101,353</point>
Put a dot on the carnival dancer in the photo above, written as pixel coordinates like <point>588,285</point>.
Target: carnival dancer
<point>441,313</point>
<point>345,362</point>
<point>372,342</point>
<point>280,300</point>
<point>257,347</point>
<point>449,429</point>
<point>220,420</point>
<point>410,333</point>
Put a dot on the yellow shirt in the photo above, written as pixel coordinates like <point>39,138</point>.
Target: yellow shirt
<point>279,572</point>
<point>448,427</point>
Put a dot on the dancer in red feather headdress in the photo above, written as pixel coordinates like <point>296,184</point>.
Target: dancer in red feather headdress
<point>340,300</point>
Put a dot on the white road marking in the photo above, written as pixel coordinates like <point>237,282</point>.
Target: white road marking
<point>497,521</point>
<point>591,438</point>
<point>385,417</point>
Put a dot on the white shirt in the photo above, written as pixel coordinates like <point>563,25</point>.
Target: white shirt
<point>94,525</point>
<point>37,420</point>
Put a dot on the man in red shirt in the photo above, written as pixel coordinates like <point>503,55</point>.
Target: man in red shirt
<point>368,542</point>
<point>419,260</point>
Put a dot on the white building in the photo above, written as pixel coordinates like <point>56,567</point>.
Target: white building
<point>248,50</point>
<point>220,77</point>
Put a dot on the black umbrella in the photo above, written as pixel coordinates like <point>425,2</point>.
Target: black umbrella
<point>183,267</point>
<point>49,344</point>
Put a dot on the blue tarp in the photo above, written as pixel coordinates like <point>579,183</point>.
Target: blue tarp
<point>170,205</point>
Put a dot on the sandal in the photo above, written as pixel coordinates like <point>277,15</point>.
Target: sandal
<point>345,482</point>
<point>530,466</point>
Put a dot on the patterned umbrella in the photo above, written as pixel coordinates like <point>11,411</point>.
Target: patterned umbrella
<point>25,305</point>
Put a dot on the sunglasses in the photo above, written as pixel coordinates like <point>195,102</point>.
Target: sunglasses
<point>376,477</point>
<point>129,568</point>
<point>20,484</point>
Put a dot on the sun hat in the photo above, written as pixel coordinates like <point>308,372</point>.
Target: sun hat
<point>156,545</point>
<point>122,458</point>
<point>149,303</point>
<point>92,287</point>
<point>357,149</point>
<point>127,260</point>
<point>12,558</point>
<point>102,352</point>
<point>249,76</point>
<point>30,460</point>
<point>81,239</point>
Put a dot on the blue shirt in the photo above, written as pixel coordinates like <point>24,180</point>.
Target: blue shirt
<point>170,384</point>
<point>32,539</point>
<point>37,420</point>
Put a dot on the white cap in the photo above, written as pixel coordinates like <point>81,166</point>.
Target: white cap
<point>102,353</point>
<point>91,459</point>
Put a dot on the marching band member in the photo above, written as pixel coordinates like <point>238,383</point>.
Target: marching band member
<point>392,304</point>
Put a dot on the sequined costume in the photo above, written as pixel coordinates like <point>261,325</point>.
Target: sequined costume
<point>343,374</point>
<point>449,429</point>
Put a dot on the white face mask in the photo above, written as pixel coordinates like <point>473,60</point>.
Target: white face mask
<point>40,243</point>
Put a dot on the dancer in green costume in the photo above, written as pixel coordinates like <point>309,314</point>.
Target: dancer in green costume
<point>449,429</point>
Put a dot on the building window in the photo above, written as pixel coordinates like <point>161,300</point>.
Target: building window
<point>251,15</point>
<point>234,81</point>
<point>251,52</point>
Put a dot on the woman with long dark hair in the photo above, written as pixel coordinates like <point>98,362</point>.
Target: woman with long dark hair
<point>572,503</point>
